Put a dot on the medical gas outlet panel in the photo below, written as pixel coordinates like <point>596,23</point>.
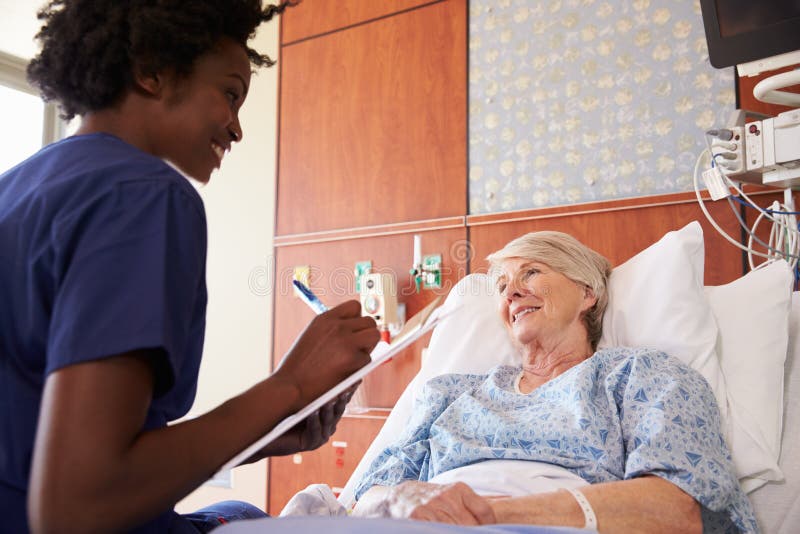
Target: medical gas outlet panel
<point>769,153</point>
<point>772,148</point>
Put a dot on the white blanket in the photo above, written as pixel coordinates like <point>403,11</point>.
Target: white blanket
<point>512,478</point>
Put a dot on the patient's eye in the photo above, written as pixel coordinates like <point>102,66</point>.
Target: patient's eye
<point>531,272</point>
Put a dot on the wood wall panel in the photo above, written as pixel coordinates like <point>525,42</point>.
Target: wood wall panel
<point>315,17</point>
<point>371,231</point>
<point>621,233</point>
<point>327,465</point>
<point>373,123</point>
<point>332,279</point>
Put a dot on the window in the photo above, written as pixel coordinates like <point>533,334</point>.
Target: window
<point>29,123</point>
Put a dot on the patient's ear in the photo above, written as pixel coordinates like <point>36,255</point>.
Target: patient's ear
<point>589,298</point>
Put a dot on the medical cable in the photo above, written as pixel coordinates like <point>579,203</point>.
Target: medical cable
<point>775,239</point>
<point>781,219</point>
<point>751,234</point>
<point>708,216</point>
<point>743,203</point>
<point>783,238</point>
<point>733,184</point>
<point>792,252</point>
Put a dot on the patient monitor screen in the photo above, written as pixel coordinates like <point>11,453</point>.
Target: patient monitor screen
<point>744,16</point>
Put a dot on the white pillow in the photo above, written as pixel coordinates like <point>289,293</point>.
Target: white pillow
<point>753,315</point>
<point>474,339</point>
<point>776,504</point>
<point>655,300</point>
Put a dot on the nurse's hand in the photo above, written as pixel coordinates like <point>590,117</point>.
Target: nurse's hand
<point>445,503</point>
<point>314,431</point>
<point>334,345</point>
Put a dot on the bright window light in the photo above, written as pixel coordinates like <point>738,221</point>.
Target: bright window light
<point>23,115</point>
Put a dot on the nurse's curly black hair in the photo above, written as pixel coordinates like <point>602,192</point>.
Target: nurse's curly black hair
<point>90,48</point>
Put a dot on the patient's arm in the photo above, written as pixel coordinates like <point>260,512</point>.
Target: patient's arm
<point>445,503</point>
<point>648,504</point>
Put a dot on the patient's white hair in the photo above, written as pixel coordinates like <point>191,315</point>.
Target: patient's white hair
<point>570,257</point>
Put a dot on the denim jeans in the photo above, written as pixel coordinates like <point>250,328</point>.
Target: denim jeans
<point>208,518</point>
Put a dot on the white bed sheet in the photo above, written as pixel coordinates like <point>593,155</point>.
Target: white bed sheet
<point>511,478</point>
<point>357,525</point>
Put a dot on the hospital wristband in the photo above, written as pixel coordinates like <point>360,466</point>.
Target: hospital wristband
<point>586,507</point>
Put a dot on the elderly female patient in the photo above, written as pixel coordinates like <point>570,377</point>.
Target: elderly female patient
<point>635,429</point>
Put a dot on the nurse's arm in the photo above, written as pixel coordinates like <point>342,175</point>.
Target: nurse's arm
<point>94,470</point>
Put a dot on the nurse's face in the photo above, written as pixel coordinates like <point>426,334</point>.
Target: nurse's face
<point>200,119</point>
<point>539,304</point>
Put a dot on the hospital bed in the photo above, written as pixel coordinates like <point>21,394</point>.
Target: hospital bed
<point>744,337</point>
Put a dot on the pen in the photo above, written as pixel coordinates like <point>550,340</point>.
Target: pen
<point>309,298</point>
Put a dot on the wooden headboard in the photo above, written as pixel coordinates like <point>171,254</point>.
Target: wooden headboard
<point>619,229</point>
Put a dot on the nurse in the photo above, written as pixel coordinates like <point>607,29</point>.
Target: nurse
<point>102,277</point>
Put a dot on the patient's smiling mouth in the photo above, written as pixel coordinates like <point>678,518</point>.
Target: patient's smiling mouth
<point>524,311</point>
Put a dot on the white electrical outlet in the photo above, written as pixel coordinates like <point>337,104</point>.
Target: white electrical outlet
<point>222,479</point>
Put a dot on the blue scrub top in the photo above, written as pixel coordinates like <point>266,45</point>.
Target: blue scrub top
<point>102,251</point>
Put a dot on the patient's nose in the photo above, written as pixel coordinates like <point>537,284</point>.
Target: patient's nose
<point>515,289</point>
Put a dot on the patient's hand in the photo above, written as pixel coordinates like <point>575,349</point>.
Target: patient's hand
<point>445,503</point>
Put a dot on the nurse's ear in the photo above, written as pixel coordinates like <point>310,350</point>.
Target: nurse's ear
<point>149,82</point>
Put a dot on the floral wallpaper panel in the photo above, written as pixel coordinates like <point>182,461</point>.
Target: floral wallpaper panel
<point>583,100</point>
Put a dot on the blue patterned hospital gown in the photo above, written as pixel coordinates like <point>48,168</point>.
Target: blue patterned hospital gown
<point>621,414</point>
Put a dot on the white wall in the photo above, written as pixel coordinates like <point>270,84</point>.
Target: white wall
<point>18,25</point>
<point>240,204</point>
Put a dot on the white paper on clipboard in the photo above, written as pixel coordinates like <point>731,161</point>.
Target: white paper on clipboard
<point>379,355</point>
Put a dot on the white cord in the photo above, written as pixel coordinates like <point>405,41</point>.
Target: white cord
<point>710,219</point>
<point>722,166</point>
<point>776,219</point>
<point>784,240</point>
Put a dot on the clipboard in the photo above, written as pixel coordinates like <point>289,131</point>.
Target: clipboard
<point>419,325</point>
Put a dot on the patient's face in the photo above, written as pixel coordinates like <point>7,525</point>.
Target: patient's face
<point>538,304</point>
